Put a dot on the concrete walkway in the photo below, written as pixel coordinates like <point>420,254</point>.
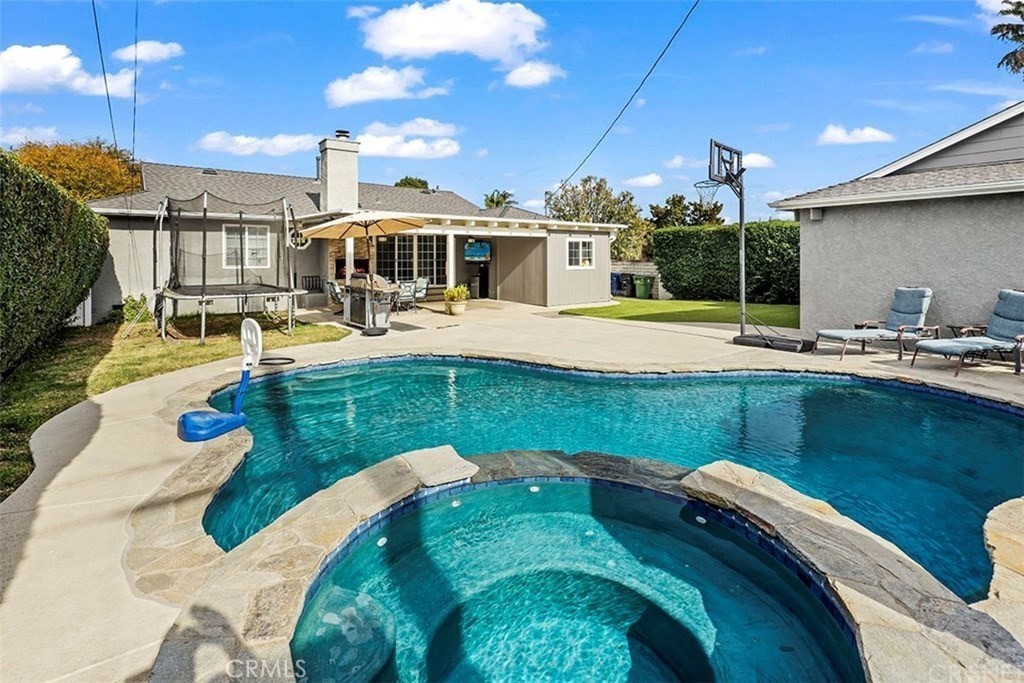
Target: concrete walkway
<point>67,609</point>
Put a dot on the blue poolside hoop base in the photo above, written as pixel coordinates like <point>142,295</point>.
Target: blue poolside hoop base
<point>203,425</point>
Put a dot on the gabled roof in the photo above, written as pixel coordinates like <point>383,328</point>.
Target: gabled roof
<point>509,211</point>
<point>948,141</point>
<point>960,181</point>
<point>892,183</point>
<point>245,187</point>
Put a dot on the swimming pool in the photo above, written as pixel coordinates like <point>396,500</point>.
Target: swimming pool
<point>921,470</point>
<point>565,582</point>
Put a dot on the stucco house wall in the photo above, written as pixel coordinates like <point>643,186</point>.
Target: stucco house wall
<point>965,249</point>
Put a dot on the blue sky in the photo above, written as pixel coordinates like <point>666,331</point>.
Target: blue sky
<point>475,96</point>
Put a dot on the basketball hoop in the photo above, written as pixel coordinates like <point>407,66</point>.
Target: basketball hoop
<point>706,190</point>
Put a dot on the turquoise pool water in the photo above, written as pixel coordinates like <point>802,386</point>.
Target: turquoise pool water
<point>565,582</point>
<point>920,470</point>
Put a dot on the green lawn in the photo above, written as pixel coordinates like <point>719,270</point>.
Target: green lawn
<point>83,362</point>
<point>679,311</point>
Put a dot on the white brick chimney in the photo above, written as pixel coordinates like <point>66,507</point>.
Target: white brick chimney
<point>339,173</point>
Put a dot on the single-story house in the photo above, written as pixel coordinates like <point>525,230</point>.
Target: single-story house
<point>532,258</point>
<point>949,216</point>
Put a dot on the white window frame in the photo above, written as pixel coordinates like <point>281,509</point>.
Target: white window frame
<point>244,234</point>
<point>580,241</point>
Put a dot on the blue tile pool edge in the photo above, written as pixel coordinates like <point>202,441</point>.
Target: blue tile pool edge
<point>681,375</point>
<point>775,546</point>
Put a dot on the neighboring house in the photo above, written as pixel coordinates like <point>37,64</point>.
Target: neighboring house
<point>949,216</point>
<point>534,259</point>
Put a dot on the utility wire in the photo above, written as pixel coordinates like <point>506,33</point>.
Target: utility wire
<point>135,79</point>
<point>103,67</point>
<point>629,101</point>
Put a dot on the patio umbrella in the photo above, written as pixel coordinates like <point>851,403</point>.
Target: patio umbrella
<point>368,224</point>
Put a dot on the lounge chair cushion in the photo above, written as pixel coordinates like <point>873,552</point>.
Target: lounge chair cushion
<point>909,306</point>
<point>1008,317</point>
<point>961,345</point>
<point>866,335</point>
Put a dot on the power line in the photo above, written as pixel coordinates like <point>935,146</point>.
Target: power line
<point>135,79</point>
<point>103,67</point>
<point>630,100</point>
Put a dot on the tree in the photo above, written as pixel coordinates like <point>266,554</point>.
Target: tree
<point>1012,61</point>
<point>704,214</point>
<point>594,201</point>
<point>413,182</point>
<point>672,215</point>
<point>678,212</point>
<point>498,198</point>
<point>88,170</point>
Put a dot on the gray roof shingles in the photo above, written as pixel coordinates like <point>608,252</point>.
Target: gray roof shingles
<point>186,182</point>
<point>922,180</point>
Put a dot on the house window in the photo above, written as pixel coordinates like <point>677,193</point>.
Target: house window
<point>246,246</point>
<point>580,253</point>
<point>403,258</point>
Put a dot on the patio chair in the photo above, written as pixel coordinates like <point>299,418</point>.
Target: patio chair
<point>420,291</point>
<point>904,323</point>
<point>1003,334</point>
<point>406,295</point>
<point>334,291</point>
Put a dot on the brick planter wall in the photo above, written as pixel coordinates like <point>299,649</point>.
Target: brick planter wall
<point>643,268</point>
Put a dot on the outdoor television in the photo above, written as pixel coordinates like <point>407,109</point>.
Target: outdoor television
<point>477,252</point>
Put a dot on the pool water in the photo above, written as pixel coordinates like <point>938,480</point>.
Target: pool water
<point>920,470</point>
<point>568,582</point>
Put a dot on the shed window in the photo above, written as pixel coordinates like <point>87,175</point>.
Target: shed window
<point>247,246</point>
<point>580,253</point>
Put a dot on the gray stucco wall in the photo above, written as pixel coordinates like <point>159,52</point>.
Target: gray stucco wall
<point>965,249</point>
<point>567,286</point>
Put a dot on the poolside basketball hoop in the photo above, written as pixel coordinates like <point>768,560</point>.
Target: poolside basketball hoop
<point>706,191</point>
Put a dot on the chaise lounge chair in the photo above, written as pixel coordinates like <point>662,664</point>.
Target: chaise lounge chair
<point>1003,334</point>
<point>905,322</point>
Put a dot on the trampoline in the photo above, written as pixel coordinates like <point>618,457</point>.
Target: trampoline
<point>217,249</point>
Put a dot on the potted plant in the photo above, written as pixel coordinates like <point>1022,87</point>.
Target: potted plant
<point>455,299</point>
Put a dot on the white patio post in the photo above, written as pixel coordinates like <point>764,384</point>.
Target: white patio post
<point>449,264</point>
<point>350,258</point>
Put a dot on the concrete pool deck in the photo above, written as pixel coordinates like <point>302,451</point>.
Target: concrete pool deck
<point>69,610</point>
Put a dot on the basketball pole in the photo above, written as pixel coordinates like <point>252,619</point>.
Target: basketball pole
<point>743,262</point>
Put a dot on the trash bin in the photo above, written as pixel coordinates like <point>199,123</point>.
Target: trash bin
<point>616,284</point>
<point>627,285</point>
<point>643,286</point>
<point>474,287</point>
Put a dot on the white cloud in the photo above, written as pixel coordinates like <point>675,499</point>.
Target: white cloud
<point>534,204</point>
<point>379,83</point>
<point>755,160</point>
<point>400,146</point>
<point>837,135</point>
<point>361,11</point>
<point>755,51</point>
<point>533,74</point>
<point>149,51</point>
<point>19,134</point>
<point>982,88</point>
<point>246,145</point>
<point>482,152</point>
<point>17,109</point>
<point>640,102</point>
<point>44,68</point>
<point>773,196</point>
<point>989,15</point>
<point>679,161</point>
<point>424,127</point>
<point>166,85</point>
<point>933,47</point>
<point>950,22</point>
<point>505,33</point>
<point>648,180</point>
<point>1003,105</point>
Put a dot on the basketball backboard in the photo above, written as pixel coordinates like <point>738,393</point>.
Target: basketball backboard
<point>725,163</point>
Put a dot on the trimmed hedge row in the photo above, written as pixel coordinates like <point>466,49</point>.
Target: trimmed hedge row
<point>52,248</point>
<point>703,262</point>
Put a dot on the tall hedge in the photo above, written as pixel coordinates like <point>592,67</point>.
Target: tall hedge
<point>703,262</point>
<point>52,248</point>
